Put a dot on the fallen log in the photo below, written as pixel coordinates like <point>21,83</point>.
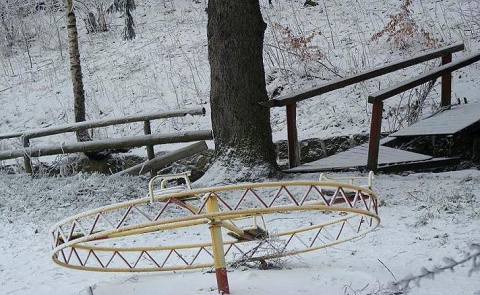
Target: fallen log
<point>162,161</point>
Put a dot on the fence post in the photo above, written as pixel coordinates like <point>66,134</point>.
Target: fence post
<point>374,140</point>
<point>150,152</point>
<point>293,149</point>
<point>446,83</point>
<point>26,158</point>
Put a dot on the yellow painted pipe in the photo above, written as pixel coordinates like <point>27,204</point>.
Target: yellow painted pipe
<point>217,247</point>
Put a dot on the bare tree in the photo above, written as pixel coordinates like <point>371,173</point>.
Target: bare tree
<point>8,30</point>
<point>95,23</point>
<point>76,70</point>
<point>241,126</point>
<point>129,30</point>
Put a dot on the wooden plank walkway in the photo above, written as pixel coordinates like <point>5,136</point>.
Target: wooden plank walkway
<point>356,157</point>
<point>446,122</point>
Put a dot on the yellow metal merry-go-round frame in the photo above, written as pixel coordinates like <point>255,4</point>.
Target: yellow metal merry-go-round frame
<point>106,239</point>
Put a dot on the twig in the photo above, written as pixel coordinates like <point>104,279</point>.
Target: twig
<point>387,269</point>
<point>5,89</point>
<point>329,23</point>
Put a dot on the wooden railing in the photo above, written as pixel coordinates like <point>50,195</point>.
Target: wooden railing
<point>148,140</point>
<point>444,71</point>
<point>290,101</point>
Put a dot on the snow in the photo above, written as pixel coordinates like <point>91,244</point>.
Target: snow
<point>425,217</point>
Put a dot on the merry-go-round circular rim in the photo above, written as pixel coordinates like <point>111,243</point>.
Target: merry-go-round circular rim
<point>74,243</point>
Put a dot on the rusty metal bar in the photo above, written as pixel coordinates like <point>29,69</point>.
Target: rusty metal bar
<point>446,83</point>
<point>293,149</point>
<point>374,141</point>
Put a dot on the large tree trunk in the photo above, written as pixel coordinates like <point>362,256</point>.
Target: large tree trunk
<point>76,70</point>
<point>241,126</point>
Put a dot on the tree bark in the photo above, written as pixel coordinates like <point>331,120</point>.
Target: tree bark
<point>129,29</point>
<point>76,70</point>
<point>241,126</point>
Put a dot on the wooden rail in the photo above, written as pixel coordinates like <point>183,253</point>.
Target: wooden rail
<point>148,140</point>
<point>41,132</point>
<point>378,97</point>
<point>104,144</point>
<point>290,100</point>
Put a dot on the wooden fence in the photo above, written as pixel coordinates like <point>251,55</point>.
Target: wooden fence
<point>290,101</point>
<point>148,140</point>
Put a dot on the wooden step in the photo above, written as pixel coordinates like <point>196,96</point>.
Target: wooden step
<point>420,165</point>
<point>356,158</point>
<point>447,122</point>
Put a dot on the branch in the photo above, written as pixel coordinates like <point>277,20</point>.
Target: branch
<point>450,264</point>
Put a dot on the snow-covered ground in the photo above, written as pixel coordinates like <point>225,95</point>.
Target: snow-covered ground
<point>425,217</point>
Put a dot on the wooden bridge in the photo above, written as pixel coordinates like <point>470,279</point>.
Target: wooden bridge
<point>374,155</point>
<point>449,121</point>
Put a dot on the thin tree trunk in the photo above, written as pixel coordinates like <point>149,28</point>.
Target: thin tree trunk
<point>102,23</point>
<point>241,126</point>
<point>76,70</point>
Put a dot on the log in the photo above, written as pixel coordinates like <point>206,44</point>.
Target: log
<point>104,122</point>
<point>11,135</point>
<point>160,162</point>
<point>116,143</point>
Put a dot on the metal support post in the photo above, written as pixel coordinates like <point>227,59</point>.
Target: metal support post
<point>217,247</point>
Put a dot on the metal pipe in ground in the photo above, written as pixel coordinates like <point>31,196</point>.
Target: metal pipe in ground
<point>217,248</point>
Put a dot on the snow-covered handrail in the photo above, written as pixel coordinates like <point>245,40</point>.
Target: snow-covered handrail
<point>360,77</point>
<point>40,132</point>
